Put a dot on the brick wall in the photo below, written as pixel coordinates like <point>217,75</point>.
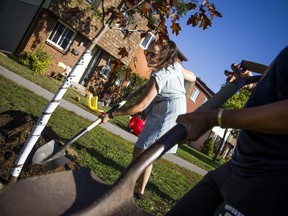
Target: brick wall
<point>191,105</point>
<point>138,64</point>
<point>38,40</point>
<point>84,21</point>
<point>113,39</point>
<point>73,15</point>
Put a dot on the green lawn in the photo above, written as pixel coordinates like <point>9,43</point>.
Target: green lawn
<point>100,150</point>
<point>185,151</point>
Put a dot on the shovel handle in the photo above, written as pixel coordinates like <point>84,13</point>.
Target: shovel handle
<point>94,124</point>
<point>253,66</point>
<point>91,126</point>
<point>228,91</point>
<point>85,130</point>
<point>98,121</point>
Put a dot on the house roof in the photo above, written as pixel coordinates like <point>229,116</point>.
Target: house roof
<point>181,56</point>
<point>204,88</point>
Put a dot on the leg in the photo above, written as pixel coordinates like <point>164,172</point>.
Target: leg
<point>261,195</point>
<point>144,178</point>
<point>205,197</point>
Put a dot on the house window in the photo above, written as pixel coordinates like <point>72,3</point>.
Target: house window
<point>94,3</point>
<point>129,24</point>
<point>194,95</point>
<point>106,69</point>
<point>61,36</point>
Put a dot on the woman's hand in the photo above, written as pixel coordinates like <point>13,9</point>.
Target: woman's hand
<point>104,118</point>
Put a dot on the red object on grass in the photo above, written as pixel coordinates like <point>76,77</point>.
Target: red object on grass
<point>136,125</point>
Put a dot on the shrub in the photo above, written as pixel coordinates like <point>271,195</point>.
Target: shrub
<point>37,61</point>
<point>208,147</point>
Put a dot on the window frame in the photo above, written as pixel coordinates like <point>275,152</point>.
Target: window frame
<point>94,3</point>
<point>129,25</point>
<point>54,31</point>
<point>195,94</point>
<point>107,67</point>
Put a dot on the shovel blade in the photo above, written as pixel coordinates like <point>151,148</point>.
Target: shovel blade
<point>45,151</point>
<point>55,161</point>
<point>51,155</point>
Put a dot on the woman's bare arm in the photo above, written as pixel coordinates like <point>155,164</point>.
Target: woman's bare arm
<point>148,94</point>
<point>188,75</point>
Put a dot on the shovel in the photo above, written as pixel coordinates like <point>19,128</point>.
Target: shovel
<point>51,155</point>
<point>81,192</point>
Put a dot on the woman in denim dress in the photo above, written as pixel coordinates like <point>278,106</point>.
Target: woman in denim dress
<point>162,100</point>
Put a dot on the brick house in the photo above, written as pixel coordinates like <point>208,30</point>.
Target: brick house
<point>64,28</point>
<point>197,94</point>
<point>67,28</point>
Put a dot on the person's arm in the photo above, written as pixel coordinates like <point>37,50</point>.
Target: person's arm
<point>271,118</point>
<point>188,75</point>
<point>148,94</point>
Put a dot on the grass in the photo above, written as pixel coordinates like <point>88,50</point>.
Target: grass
<point>100,150</point>
<point>197,158</point>
<point>186,152</point>
<point>103,152</point>
<point>53,85</point>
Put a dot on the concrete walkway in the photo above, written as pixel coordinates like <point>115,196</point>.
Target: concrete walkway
<point>69,106</point>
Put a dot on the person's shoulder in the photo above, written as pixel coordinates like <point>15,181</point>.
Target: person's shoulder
<point>159,72</point>
<point>177,65</point>
<point>165,71</point>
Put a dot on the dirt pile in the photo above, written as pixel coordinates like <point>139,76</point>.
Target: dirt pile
<point>15,127</point>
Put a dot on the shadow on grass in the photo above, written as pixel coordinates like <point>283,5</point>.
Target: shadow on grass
<point>199,156</point>
<point>100,157</point>
<point>121,125</point>
<point>160,193</point>
<point>107,161</point>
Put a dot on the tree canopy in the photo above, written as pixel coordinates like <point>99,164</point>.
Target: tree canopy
<point>157,12</point>
<point>237,101</point>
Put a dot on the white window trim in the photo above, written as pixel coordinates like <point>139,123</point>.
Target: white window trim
<point>195,95</point>
<point>205,99</point>
<point>108,67</point>
<point>55,44</point>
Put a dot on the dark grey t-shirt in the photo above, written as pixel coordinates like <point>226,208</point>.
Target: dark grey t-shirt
<point>259,153</point>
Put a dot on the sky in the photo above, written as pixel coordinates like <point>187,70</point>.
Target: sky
<point>254,30</point>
